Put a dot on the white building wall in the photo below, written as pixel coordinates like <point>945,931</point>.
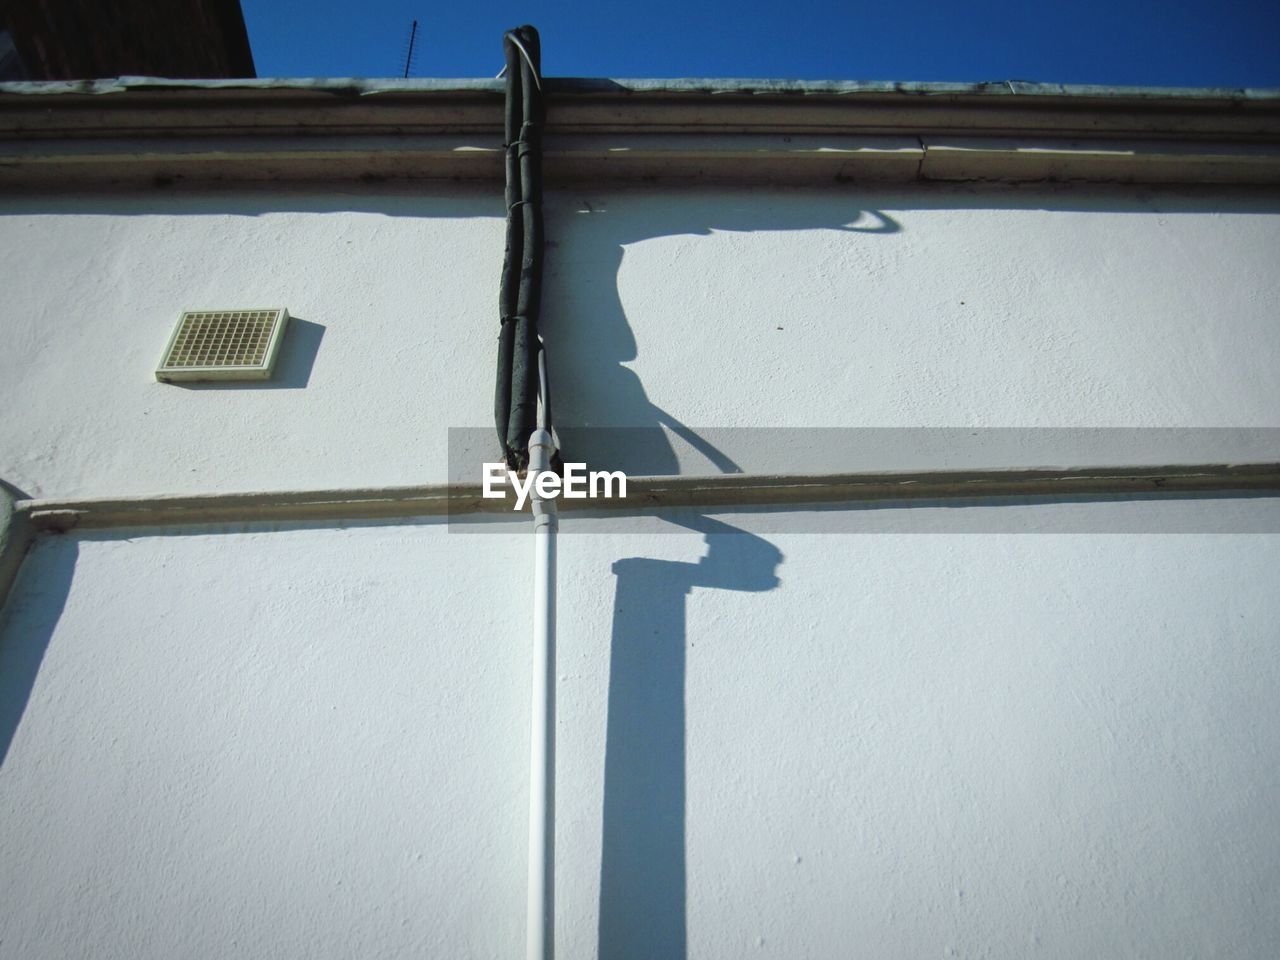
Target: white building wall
<point>311,740</point>
<point>948,308</point>
<point>313,743</point>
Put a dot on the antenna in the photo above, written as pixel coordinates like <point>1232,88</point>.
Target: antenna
<point>408,57</point>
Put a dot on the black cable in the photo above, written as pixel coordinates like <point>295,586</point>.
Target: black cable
<point>516,394</point>
<point>510,278</point>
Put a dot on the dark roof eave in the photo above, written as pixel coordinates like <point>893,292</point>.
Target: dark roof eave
<point>682,88</point>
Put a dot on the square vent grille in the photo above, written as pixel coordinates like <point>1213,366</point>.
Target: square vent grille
<point>223,345</point>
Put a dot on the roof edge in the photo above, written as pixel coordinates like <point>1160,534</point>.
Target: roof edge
<point>140,128</point>
<point>586,86</point>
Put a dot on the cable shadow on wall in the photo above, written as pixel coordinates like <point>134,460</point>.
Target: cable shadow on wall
<point>589,336</point>
<point>642,907</point>
<point>642,865</point>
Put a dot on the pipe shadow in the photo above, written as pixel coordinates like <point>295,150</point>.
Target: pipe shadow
<point>589,336</point>
<point>642,906</point>
<point>27,622</point>
<point>642,866</point>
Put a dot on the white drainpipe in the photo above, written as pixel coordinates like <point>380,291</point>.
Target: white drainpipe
<point>542,742</point>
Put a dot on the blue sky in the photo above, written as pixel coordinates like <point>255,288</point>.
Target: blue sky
<point>1176,43</point>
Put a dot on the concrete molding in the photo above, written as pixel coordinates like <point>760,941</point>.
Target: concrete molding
<point>728,158</point>
<point>138,131</point>
<point>647,493</point>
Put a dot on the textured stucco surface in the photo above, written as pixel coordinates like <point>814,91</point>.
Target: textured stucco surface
<point>309,742</point>
<point>900,739</point>
<point>712,308</point>
<point>303,744</point>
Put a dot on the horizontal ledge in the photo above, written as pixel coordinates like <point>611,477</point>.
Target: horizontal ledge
<point>650,493</point>
<point>1149,162</point>
<point>619,157</point>
<point>141,107</point>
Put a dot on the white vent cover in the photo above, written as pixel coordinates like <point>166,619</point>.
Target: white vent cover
<point>223,345</point>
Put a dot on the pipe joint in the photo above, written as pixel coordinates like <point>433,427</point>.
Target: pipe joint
<point>541,450</point>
